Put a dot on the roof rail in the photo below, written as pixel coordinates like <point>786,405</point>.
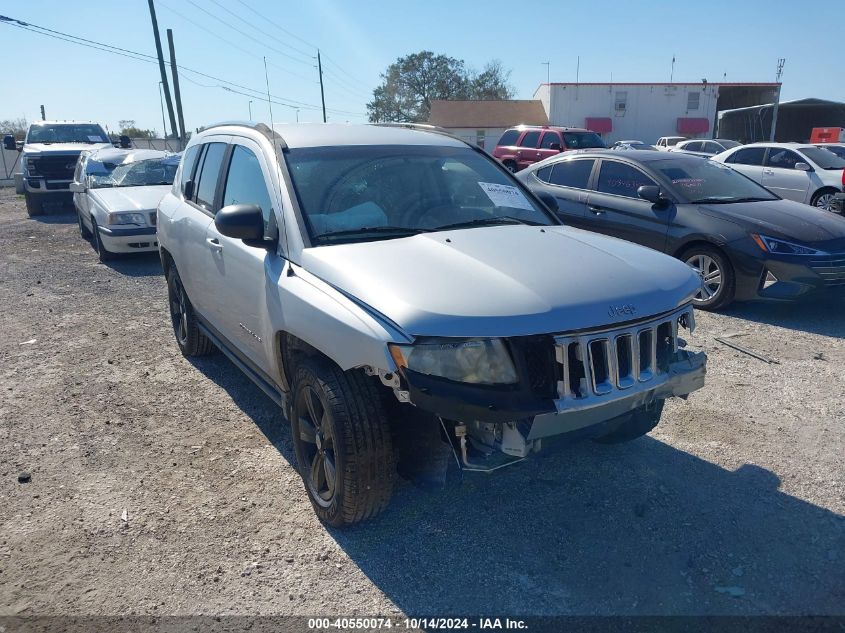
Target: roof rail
<point>263,128</point>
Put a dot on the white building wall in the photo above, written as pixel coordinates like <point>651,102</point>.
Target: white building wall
<point>651,110</point>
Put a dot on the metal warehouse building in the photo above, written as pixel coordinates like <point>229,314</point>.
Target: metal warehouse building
<point>647,111</point>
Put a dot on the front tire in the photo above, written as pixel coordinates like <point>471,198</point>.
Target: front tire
<point>718,281</point>
<point>342,441</point>
<point>34,205</point>
<point>102,252</point>
<point>510,166</point>
<point>83,230</point>
<point>825,200</point>
<point>191,341</point>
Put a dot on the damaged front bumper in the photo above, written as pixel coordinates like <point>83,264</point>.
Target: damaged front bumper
<point>599,375</point>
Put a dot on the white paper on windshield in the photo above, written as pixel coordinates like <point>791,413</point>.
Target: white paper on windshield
<point>505,196</point>
<point>95,139</point>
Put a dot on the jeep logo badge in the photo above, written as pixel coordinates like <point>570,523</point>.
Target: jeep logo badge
<point>623,310</point>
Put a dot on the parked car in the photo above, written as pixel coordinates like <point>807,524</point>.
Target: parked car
<point>116,192</point>
<point>524,145</point>
<point>390,281</point>
<point>48,158</point>
<point>665,142</point>
<point>743,240</point>
<point>804,173</point>
<point>705,148</point>
<point>836,148</point>
<point>626,145</point>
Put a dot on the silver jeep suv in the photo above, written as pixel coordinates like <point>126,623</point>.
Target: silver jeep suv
<point>403,298</point>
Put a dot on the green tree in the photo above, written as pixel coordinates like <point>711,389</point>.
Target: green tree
<point>411,83</point>
<point>15,127</point>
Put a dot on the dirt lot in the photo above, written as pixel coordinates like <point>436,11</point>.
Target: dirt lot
<point>164,486</point>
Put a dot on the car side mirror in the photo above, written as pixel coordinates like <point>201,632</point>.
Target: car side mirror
<point>651,193</point>
<point>803,166</point>
<point>125,141</point>
<point>555,147</point>
<point>241,221</point>
<point>77,187</point>
<point>9,142</point>
<point>549,200</point>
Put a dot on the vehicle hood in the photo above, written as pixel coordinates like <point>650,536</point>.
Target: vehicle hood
<point>130,198</point>
<point>44,149</point>
<point>785,219</point>
<point>504,280</point>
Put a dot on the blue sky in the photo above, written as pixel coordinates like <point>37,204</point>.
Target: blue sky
<point>738,40</point>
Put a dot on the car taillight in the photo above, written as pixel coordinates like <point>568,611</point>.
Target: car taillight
<point>843,180</point>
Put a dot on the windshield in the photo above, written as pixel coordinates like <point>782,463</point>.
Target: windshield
<point>705,181</point>
<point>153,171</point>
<point>582,140</point>
<point>67,133</point>
<point>365,192</point>
<point>824,158</point>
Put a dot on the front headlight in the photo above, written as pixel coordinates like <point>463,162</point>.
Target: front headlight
<point>782,247</point>
<point>477,361</point>
<point>127,218</point>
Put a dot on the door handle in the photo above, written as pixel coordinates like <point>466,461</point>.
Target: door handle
<point>768,172</point>
<point>214,244</point>
<point>596,210</point>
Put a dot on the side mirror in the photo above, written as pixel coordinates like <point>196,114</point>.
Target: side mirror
<point>77,187</point>
<point>188,189</point>
<point>241,221</point>
<point>803,166</point>
<point>549,200</point>
<point>651,193</point>
<point>555,147</point>
<point>9,142</point>
<point>125,141</point>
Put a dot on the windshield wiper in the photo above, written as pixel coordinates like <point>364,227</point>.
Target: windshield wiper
<point>501,219</point>
<point>392,230</point>
<point>730,200</point>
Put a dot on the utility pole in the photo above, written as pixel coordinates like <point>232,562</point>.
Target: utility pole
<point>548,66</point>
<point>322,94</point>
<point>161,69</point>
<point>43,116</point>
<point>161,102</point>
<point>249,105</point>
<point>175,73</point>
<point>781,62</point>
<point>672,72</point>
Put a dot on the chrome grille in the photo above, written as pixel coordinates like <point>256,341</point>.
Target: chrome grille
<point>597,364</point>
<point>831,269</point>
<point>56,167</point>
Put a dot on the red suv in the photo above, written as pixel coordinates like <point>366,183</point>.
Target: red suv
<point>523,145</point>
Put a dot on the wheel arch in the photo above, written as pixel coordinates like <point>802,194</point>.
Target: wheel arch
<point>820,191</point>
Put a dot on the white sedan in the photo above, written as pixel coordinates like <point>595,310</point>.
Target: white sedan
<point>705,148</point>
<point>795,171</point>
<point>116,193</point>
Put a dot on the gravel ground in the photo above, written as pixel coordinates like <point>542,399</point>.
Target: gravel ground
<point>165,486</point>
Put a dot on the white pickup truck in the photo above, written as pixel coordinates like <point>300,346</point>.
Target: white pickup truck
<point>48,158</point>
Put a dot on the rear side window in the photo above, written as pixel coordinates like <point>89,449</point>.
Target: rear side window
<point>509,137</point>
<point>748,156</point>
<point>712,148</point>
<point>188,163</point>
<point>621,180</point>
<point>245,183</point>
<point>544,174</point>
<point>692,146</point>
<point>572,173</point>
<point>548,139</point>
<point>530,139</point>
<point>209,173</point>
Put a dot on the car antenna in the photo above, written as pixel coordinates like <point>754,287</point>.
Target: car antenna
<point>278,167</point>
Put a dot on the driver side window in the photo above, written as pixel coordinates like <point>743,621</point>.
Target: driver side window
<point>245,183</point>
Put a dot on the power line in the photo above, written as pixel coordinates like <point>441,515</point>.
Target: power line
<point>250,24</point>
<point>234,28</point>
<point>278,26</point>
<point>143,57</point>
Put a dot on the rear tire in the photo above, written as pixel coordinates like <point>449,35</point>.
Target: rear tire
<point>717,275</point>
<point>191,341</point>
<point>825,199</point>
<point>34,205</point>
<point>638,423</point>
<point>343,444</point>
<point>510,166</point>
